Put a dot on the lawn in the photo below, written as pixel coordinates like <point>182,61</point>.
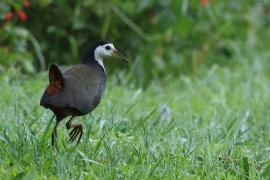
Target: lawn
<point>212,123</point>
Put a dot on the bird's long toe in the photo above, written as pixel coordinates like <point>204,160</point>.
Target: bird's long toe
<point>74,135</point>
<point>79,139</point>
<point>76,131</point>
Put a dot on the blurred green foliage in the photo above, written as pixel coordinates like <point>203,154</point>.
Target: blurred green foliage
<point>213,122</point>
<point>162,38</point>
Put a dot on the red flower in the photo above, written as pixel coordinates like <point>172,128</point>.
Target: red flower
<point>8,16</point>
<point>204,2</point>
<point>26,3</point>
<point>22,16</point>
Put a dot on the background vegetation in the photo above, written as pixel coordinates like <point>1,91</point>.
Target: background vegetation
<point>194,101</point>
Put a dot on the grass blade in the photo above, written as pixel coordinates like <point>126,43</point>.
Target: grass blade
<point>266,172</point>
<point>46,134</point>
<point>246,167</point>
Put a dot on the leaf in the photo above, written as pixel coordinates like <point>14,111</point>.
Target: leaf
<point>97,147</point>
<point>266,172</point>
<point>86,159</point>
<point>19,176</point>
<point>46,133</point>
<point>154,168</point>
<point>246,167</point>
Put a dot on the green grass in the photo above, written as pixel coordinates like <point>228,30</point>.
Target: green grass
<point>213,123</point>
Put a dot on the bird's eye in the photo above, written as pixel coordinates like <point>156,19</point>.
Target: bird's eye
<point>107,47</point>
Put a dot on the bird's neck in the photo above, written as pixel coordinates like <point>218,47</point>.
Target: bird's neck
<point>92,58</point>
<point>99,60</point>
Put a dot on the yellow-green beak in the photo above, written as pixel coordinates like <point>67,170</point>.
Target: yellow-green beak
<point>120,55</point>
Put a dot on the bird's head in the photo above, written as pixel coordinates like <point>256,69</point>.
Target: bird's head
<point>101,50</point>
<point>105,49</point>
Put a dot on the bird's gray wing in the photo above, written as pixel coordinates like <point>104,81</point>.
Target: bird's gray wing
<point>83,89</point>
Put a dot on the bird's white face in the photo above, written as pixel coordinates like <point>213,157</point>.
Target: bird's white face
<point>104,51</point>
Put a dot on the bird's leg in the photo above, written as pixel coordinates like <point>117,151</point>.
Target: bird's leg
<point>77,130</point>
<point>54,133</point>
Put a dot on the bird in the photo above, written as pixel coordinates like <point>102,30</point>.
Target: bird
<point>78,90</point>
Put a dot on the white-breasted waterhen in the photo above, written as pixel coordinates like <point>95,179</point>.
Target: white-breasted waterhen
<point>78,90</point>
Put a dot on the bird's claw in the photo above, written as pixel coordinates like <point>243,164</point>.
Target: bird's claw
<point>74,133</point>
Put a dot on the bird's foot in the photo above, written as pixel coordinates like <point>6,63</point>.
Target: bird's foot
<point>78,130</point>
